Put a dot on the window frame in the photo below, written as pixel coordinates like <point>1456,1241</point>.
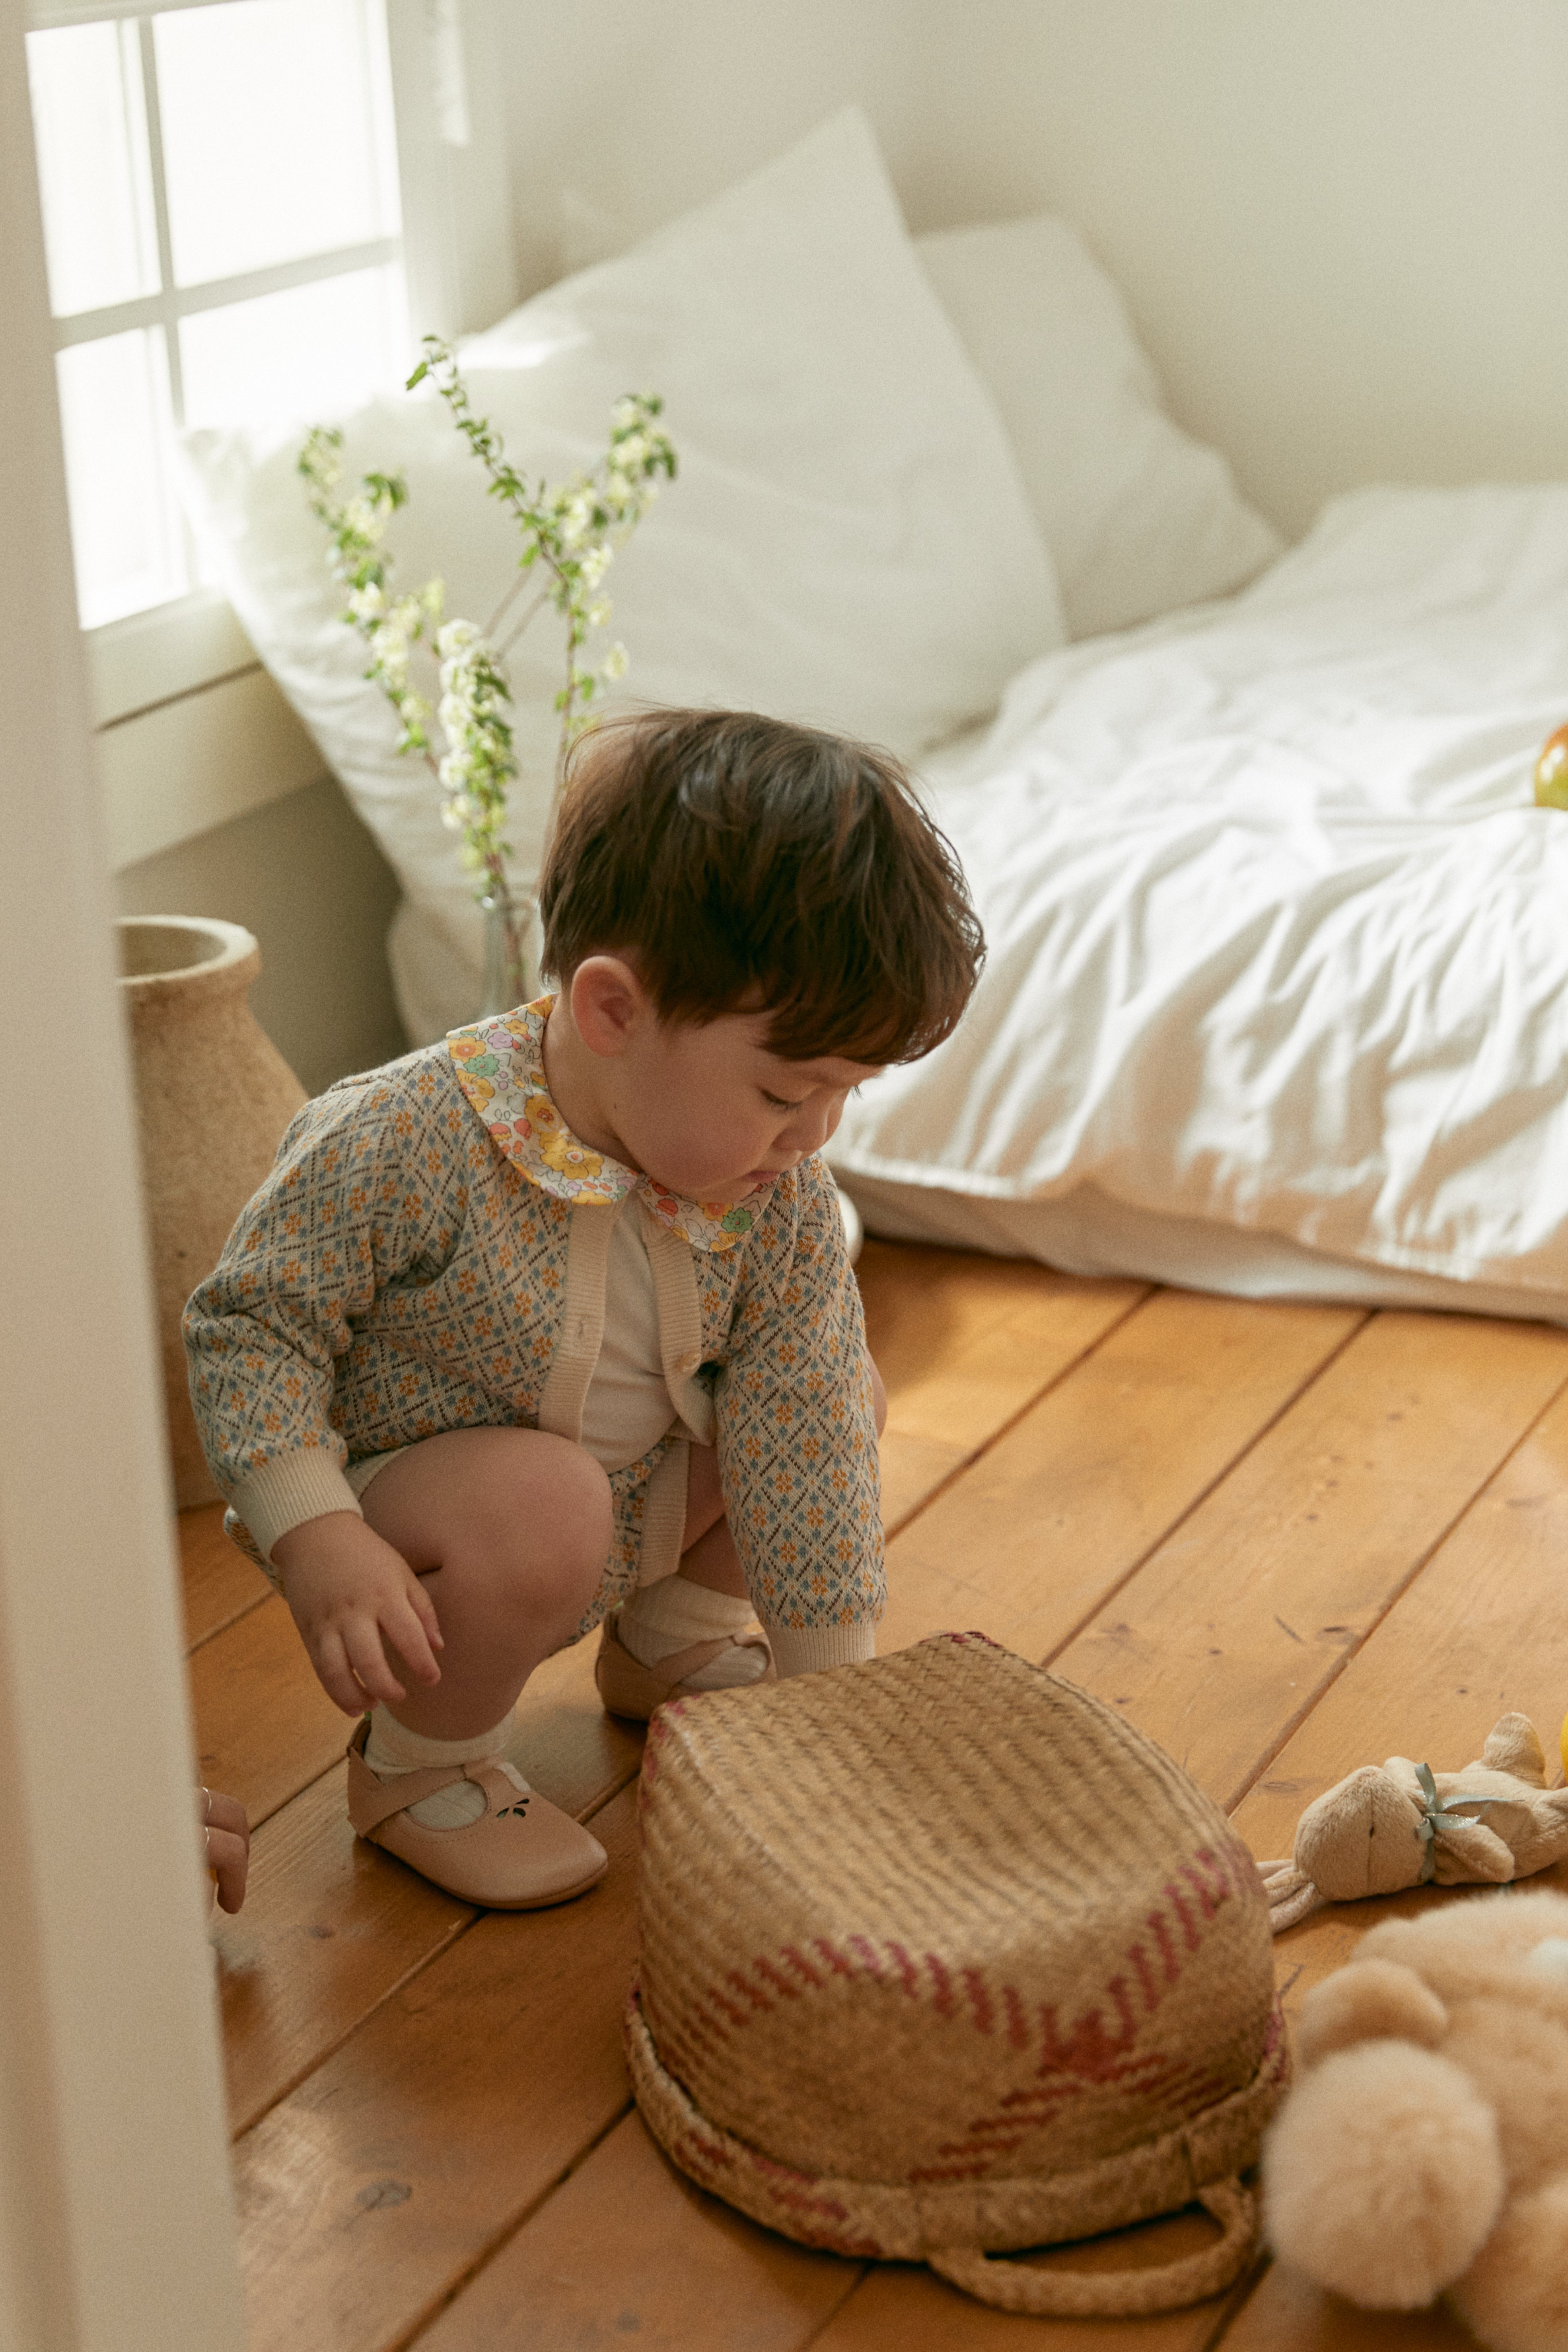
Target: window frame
<point>456,251</point>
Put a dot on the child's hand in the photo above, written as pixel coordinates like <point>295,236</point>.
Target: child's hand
<point>351,1592</point>
<point>225,1842</point>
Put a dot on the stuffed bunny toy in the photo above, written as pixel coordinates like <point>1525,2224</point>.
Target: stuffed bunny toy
<point>1424,2148</point>
<point>1399,1824</point>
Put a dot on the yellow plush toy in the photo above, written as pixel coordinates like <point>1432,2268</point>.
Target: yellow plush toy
<point>1424,2148</point>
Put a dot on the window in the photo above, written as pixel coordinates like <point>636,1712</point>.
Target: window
<point>229,229</point>
<point>223,236</point>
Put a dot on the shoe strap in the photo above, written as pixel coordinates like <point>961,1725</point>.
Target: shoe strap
<point>674,1670</point>
<point>371,1804</point>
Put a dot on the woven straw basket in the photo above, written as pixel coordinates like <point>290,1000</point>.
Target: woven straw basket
<point>942,1960</point>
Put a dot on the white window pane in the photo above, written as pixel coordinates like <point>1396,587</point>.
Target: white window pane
<point>91,128</point>
<point>276,141</point>
<point>125,531</point>
<point>308,352</point>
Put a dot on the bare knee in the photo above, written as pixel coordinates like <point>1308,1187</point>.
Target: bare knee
<point>573,1516</point>
<point>543,1522</point>
<point>588,1511</point>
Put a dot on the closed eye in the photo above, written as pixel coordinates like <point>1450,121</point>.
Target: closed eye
<point>778,1101</point>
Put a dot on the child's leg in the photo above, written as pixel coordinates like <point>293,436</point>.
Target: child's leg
<point>510,1531</point>
<point>706,1600</point>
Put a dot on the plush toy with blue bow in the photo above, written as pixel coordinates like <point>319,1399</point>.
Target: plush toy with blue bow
<point>1398,1824</point>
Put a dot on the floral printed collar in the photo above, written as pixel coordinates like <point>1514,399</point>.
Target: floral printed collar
<point>500,1064</point>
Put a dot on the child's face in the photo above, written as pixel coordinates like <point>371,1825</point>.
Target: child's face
<point>713,1114</point>
<point>704,1108</point>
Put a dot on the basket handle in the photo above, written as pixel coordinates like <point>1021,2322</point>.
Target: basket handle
<point>1113,2295</point>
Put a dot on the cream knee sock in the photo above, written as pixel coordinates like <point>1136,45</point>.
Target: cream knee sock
<point>670,1615</point>
<point>391,1748</point>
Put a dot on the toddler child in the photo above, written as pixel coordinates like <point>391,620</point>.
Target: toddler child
<point>551,1326</point>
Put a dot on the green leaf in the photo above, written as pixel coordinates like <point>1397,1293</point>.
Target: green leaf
<point>418,376</point>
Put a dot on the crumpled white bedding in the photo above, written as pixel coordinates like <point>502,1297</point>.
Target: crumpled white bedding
<point>1278,943</point>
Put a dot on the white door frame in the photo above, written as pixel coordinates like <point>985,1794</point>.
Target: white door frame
<point>116,2229</point>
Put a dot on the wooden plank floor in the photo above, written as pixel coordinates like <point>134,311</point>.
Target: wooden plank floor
<point>1284,1539</point>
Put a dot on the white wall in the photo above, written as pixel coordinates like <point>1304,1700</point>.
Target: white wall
<point>639,108</point>
<point>1342,223</point>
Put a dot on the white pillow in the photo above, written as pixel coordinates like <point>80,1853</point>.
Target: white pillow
<point>1139,517</point>
<point>849,541</point>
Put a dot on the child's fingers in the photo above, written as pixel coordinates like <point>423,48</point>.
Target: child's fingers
<point>406,1632</point>
<point>362,1640</point>
<point>336,1675</point>
<point>423,1608</point>
<point>228,1813</point>
<point>228,1856</point>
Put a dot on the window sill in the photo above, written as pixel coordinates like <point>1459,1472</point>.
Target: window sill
<point>197,761</point>
<point>191,731</point>
<point>150,657</point>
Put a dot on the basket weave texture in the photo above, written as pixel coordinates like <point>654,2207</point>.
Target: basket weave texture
<point>940,1957</point>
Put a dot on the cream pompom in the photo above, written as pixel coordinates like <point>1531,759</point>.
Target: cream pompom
<point>1516,2296</point>
<point>1383,2175</point>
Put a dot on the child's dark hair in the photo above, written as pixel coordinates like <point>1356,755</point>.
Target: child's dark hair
<point>739,861</point>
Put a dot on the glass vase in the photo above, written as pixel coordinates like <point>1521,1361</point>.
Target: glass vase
<point>496,993</point>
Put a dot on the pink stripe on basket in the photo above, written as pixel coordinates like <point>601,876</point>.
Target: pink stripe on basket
<point>979,2000</point>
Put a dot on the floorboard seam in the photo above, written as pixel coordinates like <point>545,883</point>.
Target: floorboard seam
<point>1288,1405</point>
<point>591,1810</point>
<point>259,1821</point>
<point>504,2236</point>
<point>1240,2296</point>
<point>214,1630</point>
<point>1230,1804</point>
<point>458,1928</point>
<point>856,2283</point>
<point>1075,1363</point>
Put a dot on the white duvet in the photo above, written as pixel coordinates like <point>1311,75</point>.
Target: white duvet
<point>1278,941</point>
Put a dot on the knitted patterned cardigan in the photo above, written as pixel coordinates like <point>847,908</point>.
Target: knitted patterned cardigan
<point>428,1254</point>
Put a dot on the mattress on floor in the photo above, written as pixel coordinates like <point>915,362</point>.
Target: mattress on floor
<point>1083,1232</point>
<point>1277,995</point>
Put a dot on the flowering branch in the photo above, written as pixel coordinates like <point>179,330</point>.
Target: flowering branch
<point>569,533</point>
<point>572,531</point>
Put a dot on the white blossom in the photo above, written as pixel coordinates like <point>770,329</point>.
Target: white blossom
<point>569,531</point>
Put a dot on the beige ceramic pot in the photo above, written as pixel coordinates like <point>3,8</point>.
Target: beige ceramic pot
<point>214,1096</point>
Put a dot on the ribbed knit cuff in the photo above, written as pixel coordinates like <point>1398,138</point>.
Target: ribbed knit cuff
<point>300,1486</point>
<point>820,1645</point>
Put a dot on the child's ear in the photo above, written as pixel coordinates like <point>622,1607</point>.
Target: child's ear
<point>608,1002</point>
